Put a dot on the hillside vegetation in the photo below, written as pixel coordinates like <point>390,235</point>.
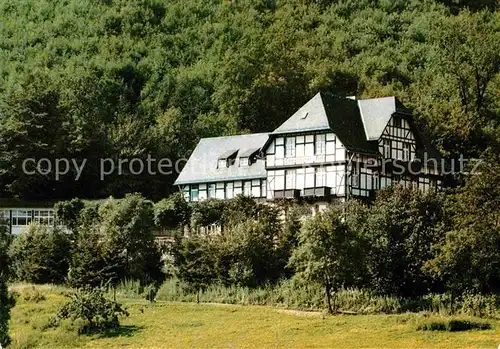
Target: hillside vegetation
<point>88,79</point>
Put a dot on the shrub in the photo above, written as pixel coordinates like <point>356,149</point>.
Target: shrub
<point>195,263</point>
<point>207,212</point>
<point>468,257</point>
<point>452,325</point>
<point>328,252</point>
<point>480,305</point>
<point>246,253</point>
<point>127,229</point>
<point>68,212</point>
<point>90,264</point>
<point>119,244</point>
<point>90,306</point>
<point>32,295</point>
<point>402,226</point>
<point>40,255</point>
<point>172,212</point>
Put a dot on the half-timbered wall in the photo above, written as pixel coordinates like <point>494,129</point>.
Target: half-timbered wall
<point>362,180</point>
<point>304,149</point>
<point>397,140</point>
<point>225,190</point>
<point>306,161</point>
<point>332,176</point>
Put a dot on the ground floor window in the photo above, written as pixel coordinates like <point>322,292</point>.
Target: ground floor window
<point>21,217</point>
<point>44,217</point>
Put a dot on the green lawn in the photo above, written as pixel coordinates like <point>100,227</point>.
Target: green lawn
<point>178,325</point>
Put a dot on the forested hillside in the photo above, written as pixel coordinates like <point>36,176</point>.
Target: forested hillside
<point>91,79</point>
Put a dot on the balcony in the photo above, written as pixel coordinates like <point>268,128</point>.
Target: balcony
<point>287,194</point>
<point>318,192</point>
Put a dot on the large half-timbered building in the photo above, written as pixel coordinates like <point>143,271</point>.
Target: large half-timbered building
<point>332,147</point>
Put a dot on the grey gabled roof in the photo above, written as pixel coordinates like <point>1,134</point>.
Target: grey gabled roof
<point>328,112</point>
<point>202,165</point>
<point>345,122</point>
<point>375,114</point>
<point>228,154</point>
<point>310,117</point>
<point>246,153</point>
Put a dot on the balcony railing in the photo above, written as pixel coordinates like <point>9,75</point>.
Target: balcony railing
<point>287,194</point>
<point>323,192</point>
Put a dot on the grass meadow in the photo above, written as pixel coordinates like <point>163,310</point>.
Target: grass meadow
<point>190,325</point>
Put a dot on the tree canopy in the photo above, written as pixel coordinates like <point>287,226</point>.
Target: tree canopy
<point>127,79</point>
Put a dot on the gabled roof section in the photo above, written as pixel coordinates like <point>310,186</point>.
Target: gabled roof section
<point>246,153</point>
<point>375,114</point>
<point>345,121</point>
<point>228,154</point>
<point>310,117</point>
<point>202,165</point>
<point>328,112</point>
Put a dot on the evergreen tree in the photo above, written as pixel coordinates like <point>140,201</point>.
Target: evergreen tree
<point>6,300</point>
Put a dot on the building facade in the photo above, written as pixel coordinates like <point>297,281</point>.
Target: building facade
<point>18,216</point>
<point>332,147</point>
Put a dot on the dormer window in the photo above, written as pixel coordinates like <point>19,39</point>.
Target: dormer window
<point>248,156</point>
<point>222,163</point>
<point>227,158</point>
<point>244,162</point>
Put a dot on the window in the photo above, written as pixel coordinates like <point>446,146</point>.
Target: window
<point>320,177</point>
<point>222,163</point>
<point>238,189</point>
<point>247,188</point>
<point>185,191</point>
<point>320,144</point>
<point>309,178</point>
<point>330,144</point>
<point>280,148</point>
<point>256,188</point>
<point>279,180</point>
<point>309,146</point>
<point>290,147</point>
<point>280,152</point>
<point>244,162</point>
<point>21,217</point>
<point>219,190</point>
<point>263,187</point>
<point>406,151</point>
<point>387,148</point>
<point>355,176</point>
<point>299,146</point>
<point>290,177</point>
<point>331,176</point>
<point>202,192</point>
<point>194,193</point>
<point>299,182</point>
<point>44,217</point>
<point>211,190</point>
<point>229,190</point>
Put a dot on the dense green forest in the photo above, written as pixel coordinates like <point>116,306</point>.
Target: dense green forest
<point>91,79</point>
